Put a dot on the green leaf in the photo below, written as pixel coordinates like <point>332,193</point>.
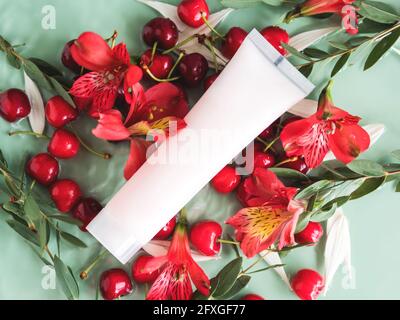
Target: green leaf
<point>366,168</point>
<point>59,89</point>
<point>340,63</point>
<point>4,44</point>
<point>3,160</point>
<point>44,233</point>
<point>58,241</point>
<point>339,45</point>
<point>239,284</point>
<point>303,221</point>
<point>72,239</point>
<point>368,186</point>
<point>368,26</point>
<point>381,48</point>
<point>66,219</point>
<point>12,208</point>
<point>295,52</point>
<point>323,215</point>
<point>23,231</point>
<point>287,173</point>
<point>355,42</point>
<point>398,187</point>
<point>44,260</point>
<point>46,67</point>
<point>307,70</point>
<point>396,154</point>
<point>338,202</point>
<point>378,11</point>
<point>13,60</point>
<point>315,188</point>
<point>227,277</point>
<point>316,53</point>
<point>67,279</point>
<point>239,4</point>
<point>31,209</point>
<point>36,75</point>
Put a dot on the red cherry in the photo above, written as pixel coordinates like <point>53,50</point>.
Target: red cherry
<point>241,193</point>
<point>63,144</point>
<point>210,80</point>
<point>67,59</point>
<point>59,112</point>
<point>252,296</point>
<point>233,40</point>
<point>193,68</point>
<point>86,210</point>
<point>14,105</point>
<point>275,36</point>
<point>204,237</point>
<point>160,30</point>
<point>264,160</point>
<point>190,11</point>
<point>165,232</point>
<point>307,284</point>
<point>298,165</point>
<point>115,283</point>
<point>160,66</point>
<point>82,103</point>
<point>311,234</point>
<point>65,194</point>
<point>139,274</point>
<point>43,168</point>
<point>226,180</point>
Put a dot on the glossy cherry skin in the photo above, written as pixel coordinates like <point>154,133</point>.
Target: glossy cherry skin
<point>65,193</point>
<point>160,66</point>
<point>311,234</point>
<point>139,275</point>
<point>298,165</point>
<point>14,105</point>
<point>264,160</point>
<point>190,11</point>
<point>167,231</point>
<point>59,112</point>
<point>208,81</point>
<point>43,168</point>
<point>307,284</point>
<point>67,59</point>
<point>204,237</point>
<point>193,69</point>
<point>63,144</point>
<point>252,296</point>
<point>160,30</point>
<point>232,42</point>
<point>86,210</point>
<point>226,180</point>
<point>115,283</point>
<point>275,36</point>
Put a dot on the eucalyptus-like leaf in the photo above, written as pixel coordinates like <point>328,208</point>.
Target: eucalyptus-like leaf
<point>36,116</point>
<point>286,173</point>
<point>66,219</point>
<point>316,53</point>
<point>31,209</point>
<point>293,51</point>
<point>23,231</point>
<point>158,248</point>
<point>341,63</point>
<point>369,185</point>
<point>396,154</point>
<point>240,283</point>
<point>339,45</point>
<point>305,108</point>
<point>304,40</point>
<point>337,247</point>
<point>43,233</point>
<point>366,168</point>
<point>315,188</point>
<point>307,69</point>
<point>46,67</point>
<point>240,4</point>
<point>72,239</point>
<point>66,279</point>
<point>323,215</point>
<point>273,258</point>
<point>227,277</point>
<point>381,48</point>
<point>378,11</point>
<point>398,187</point>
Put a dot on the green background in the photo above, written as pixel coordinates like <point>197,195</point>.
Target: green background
<point>374,95</point>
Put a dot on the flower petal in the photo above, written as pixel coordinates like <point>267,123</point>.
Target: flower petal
<point>92,52</point>
<point>273,258</point>
<point>137,156</point>
<point>110,127</point>
<point>199,278</point>
<point>348,142</point>
<point>121,53</point>
<point>36,116</point>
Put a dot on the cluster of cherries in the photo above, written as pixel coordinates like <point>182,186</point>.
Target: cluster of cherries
<point>64,144</point>
<point>162,35</point>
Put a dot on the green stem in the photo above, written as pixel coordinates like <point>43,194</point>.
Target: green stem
<point>103,155</point>
<point>210,47</point>
<point>152,76</point>
<point>153,51</point>
<point>269,145</point>
<point>85,273</point>
<point>261,258</point>
<point>211,27</point>
<point>228,242</point>
<point>180,44</point>
<point>293,159</point>
<point>28,133</point>
<point>181,55</point>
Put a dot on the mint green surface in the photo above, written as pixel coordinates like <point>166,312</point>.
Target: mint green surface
<point>374,95</point>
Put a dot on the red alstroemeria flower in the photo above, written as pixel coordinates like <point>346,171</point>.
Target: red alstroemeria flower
<point>330,128</point>
<point>165,97</point>
<point>315,7</point>
<point>110,68</point>
<point>272,216</point>
<point>178,271</point>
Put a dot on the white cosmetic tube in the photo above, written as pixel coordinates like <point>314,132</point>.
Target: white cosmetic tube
<point>256,87</point>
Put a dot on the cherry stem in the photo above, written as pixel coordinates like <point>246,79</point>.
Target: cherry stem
<point>85,273</point>
<point>113,38</point>
<point>181,55</point>
<point>203,16</point>
<point>103,155</point>
<point>28,133</point>
<point>228,242</point>
<point>153,51</point>
<point>151,75</point>
<point>286,161</point>
<point>180,44</point>
<point>269,145</point>
<point>210,47</point>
